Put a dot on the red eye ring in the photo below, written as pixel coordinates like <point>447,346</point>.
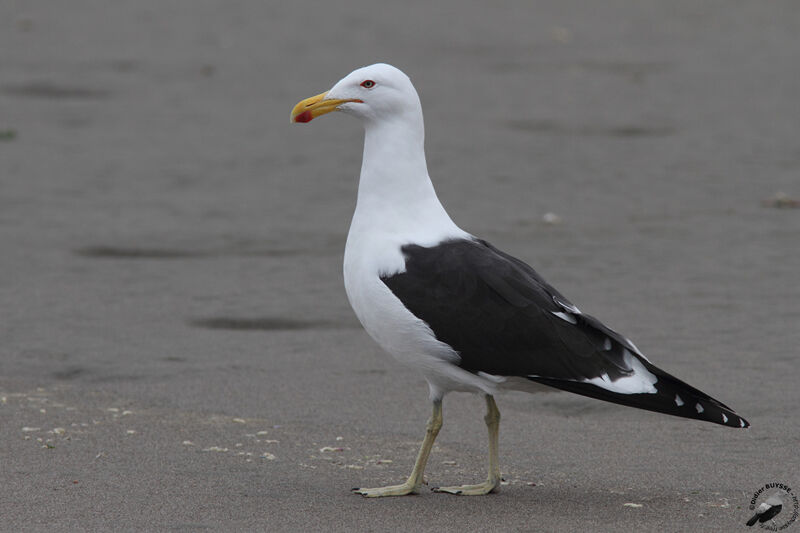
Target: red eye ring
<point>368,84</point>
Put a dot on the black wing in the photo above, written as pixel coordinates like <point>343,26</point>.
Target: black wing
<point>504,319</point>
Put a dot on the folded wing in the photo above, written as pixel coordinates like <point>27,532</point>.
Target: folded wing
<point>504,319</point>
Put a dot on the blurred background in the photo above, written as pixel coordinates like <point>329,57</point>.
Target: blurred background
<point>171,246</point>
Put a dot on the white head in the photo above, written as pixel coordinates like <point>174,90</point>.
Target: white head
<point>377,93</point>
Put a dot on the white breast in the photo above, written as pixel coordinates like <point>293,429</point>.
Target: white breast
<point>371,253</point>
<point>397,205</point>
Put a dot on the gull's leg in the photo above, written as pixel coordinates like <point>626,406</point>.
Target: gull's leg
<point>492,483</point>
<point>414,481</point>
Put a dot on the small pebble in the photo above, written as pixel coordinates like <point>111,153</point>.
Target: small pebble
<point>551,219</point>
<point>781,200</point>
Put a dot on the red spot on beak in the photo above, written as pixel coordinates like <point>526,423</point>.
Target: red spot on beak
<point>305,116</point>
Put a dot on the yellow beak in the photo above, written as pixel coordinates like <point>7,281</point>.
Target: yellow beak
<point>311,108</point>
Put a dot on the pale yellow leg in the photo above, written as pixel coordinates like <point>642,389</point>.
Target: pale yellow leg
<point>492,483</point>
<point>414,481</point>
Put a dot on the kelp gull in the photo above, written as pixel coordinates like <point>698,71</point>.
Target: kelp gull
<point>467,315</point>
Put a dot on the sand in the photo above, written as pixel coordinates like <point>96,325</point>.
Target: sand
<point>176,348</point>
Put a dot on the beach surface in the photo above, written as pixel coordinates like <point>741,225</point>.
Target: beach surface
<point>177,352</point>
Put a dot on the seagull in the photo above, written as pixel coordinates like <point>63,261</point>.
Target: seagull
<point>768,510</point>
<point>467,315</point>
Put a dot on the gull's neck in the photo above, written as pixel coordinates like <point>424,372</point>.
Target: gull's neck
<point>395,193</point>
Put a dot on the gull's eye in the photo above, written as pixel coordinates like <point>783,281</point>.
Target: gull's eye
<point>368,84</point>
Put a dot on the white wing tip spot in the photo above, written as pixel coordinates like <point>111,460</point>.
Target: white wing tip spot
<point>741,423</point>
<point>678,400</point>
<point>572,308</point>
<point>607,344</point>
<point>699,408</point>
<point>566,317</point>
<point>724,418</point>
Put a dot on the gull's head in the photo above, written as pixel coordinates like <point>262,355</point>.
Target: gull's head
<point>374,93</point>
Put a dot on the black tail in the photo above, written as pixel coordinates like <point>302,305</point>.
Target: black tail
<point>672,396</point>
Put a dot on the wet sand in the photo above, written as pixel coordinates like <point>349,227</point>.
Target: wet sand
<point>176,348</point>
